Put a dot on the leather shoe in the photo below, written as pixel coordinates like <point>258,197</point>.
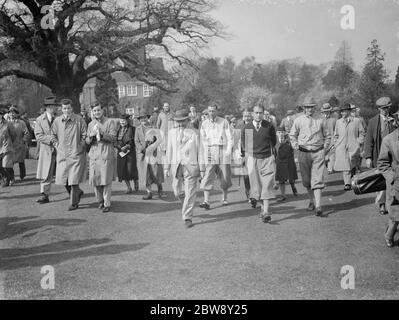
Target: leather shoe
<point>73,207</point>
<point>266,219</point>
<point>389,243</point>
<point>148,196</point>
<point>319,212</point>
<point>188,223</point>
<point>106,209</point>
<point>311,207</point>
<point>205,206</point>
<point>383,210</point>
<point>43,199</point>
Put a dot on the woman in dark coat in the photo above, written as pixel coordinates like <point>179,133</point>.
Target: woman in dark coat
<point>285,163</point>
<point>126,163</point>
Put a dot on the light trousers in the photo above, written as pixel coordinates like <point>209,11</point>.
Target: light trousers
<point>103,194</point>
<point>184,179</point>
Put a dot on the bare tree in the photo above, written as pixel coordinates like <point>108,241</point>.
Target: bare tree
<point>69,42</point>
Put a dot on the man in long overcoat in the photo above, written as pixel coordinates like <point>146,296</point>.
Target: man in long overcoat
<point>388,164</point>
<point>6,149</point>
<point>47,153</point>
<point>347,143</point>
<point>69,135</point>
<point>101,135</point>
<point>378,128</point>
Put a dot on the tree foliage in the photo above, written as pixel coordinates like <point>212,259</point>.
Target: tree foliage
<point>95,37</point>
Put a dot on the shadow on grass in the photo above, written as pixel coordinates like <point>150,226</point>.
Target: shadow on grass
<point>58,252</point>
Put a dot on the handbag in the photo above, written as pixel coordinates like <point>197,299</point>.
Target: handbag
<point>368,181</point>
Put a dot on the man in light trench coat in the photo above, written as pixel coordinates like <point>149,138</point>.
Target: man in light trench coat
<point>47,153</point>
<point>69,138</point>
<point>347,143</point>
<point>101,136</point>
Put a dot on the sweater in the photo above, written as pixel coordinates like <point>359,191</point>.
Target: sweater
<point>258,144</point>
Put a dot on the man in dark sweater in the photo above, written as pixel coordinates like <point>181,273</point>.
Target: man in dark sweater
<point>258,140</point>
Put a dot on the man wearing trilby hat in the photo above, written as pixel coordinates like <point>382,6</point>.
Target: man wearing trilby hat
<point>311,137</point>
<point>6,149</point>
<point>47,153</point>
<point>347,142</point>
<point>182,162</point>
<point>388,164</point>
<point>330,122</point>
<point>378,128</point>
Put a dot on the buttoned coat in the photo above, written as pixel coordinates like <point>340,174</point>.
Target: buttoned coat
<point>373,139</point>
<point>348,139</point>
<point>102,155</point>
<point>22,138</point>
<point>388,164</point>
<point>70,137</point>
<point>43,136</point>
<point>6,145</point>
<point>183,152</point>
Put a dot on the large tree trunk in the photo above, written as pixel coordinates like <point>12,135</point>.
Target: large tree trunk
<point>73,94</point>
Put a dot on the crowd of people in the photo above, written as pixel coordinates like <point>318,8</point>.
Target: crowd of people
<point>198,149</point>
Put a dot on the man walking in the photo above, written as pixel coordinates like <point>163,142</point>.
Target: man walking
<point>330,123</point>
<point>348,140</point>
<point>6,149</point>
<point>378,128</point>
<point>215,149</point>
<point>101,136</point>
<point>182,163</point>
<point>258,139</point>
<point>311,137</point>
<point>47,153</point>
<point>69,138</point>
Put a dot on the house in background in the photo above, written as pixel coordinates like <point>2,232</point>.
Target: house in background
<point>132,93</point>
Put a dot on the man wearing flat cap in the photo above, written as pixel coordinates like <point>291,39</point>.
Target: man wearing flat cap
<point>330,122</point>
<point>20,143</point>
<point>6,149</point>
<point>378,128</point>
<point>347,142</point>
<point>182,162</point>
<point>69,138</point>
<point>311,137</point>
<point>47,153</point>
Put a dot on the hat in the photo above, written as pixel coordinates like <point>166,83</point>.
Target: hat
<point>181,115</point>
<point>353,107</point>
<point>309,102</point>
<point>383,102</point>
<point>326,107</point>
<point>281,129</point>
<point>290,112</point>
<point>66,102</point>
<point>124,116</point>
<point>143,114</point>
<point>50,101</point>
<point>346,106</point>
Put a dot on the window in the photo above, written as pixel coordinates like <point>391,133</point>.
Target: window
<point>131,90</point>
<point>147,90</point>
<point>121,91</point>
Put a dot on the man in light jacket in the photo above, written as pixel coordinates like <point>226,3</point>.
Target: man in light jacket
<point>182,163</point>
<point>69,138</point>
<point>47,153</point>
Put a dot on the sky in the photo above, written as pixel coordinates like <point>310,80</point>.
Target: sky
<point>310,29</point>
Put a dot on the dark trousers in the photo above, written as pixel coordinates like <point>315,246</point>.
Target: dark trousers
<point>22,170</point>
<point>74,192</point>
<point>247,185</point>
